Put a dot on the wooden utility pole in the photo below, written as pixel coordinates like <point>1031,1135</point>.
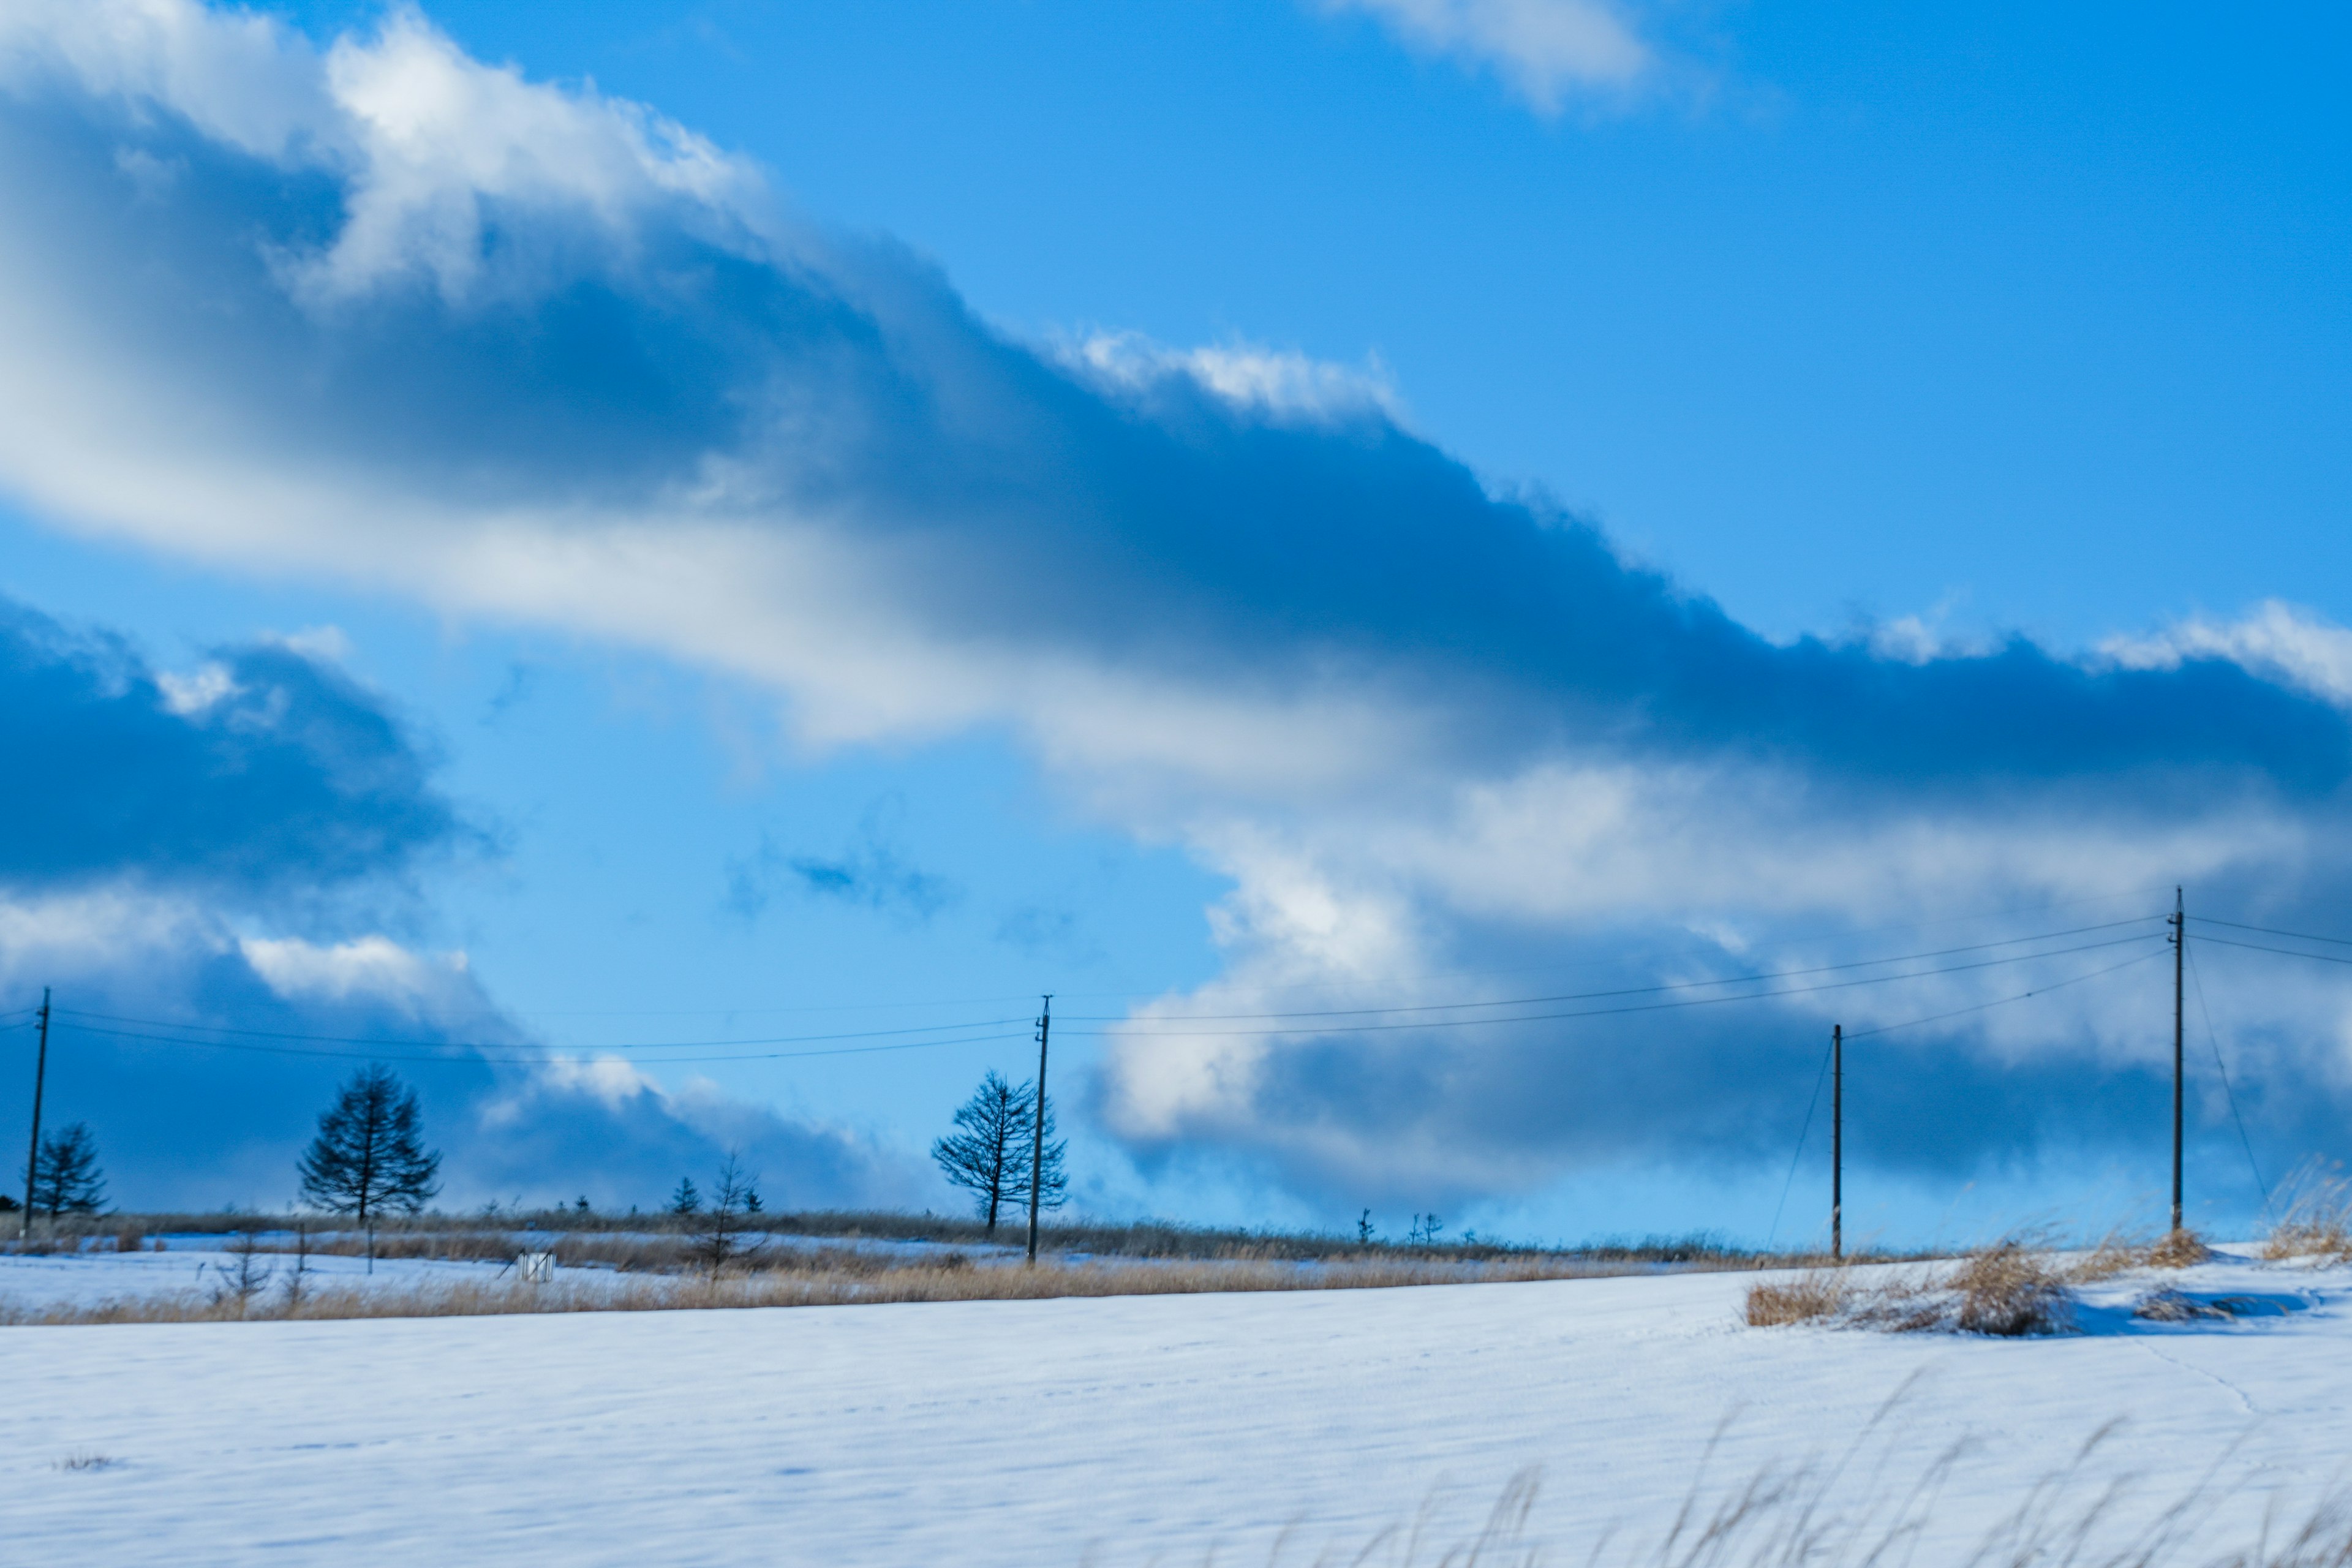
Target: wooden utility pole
<point>1837,1140</point>
<point>2179,952</point>
<point>33,1160</point>
<point>1037,1129</point>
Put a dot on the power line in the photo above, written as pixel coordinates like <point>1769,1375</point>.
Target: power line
<point>2271,931</point>
<point>2001,1001</point>
<point>1639,990</point>
<point>542,1060</point>
<point>2228,1093</point>
<point>510,1045</point>
<point>1799,1152</point>
<point>1601,1012</point>
<point>2282,951</point>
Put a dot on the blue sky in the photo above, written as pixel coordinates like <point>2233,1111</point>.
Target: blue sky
<point>1210,510</point>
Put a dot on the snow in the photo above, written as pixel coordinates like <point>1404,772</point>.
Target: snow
<point>1119,1430</point>
<point>190,1264</point>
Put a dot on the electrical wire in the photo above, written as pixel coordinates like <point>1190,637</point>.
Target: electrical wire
<point>2228,1093</point>
<point>454,1055</point>
<point>2272,930</point>
<point>2001,1001</point>
<point>1135,1034</point>
<point>2282,951</point>
<point>508,1045</point>
<point>1637,990</point>
<point>1797,1154</point>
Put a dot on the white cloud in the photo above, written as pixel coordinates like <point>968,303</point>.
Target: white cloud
<point>1547,51</point>
<point>364,969</point>
<point>2277,638</point>
<point>196,690</point>
<point>1250,377</point>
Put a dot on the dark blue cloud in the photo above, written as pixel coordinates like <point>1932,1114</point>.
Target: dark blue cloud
<point>196,1076</point>
<point>273,771</point>
<point>147,823</point>
<point>1145,523</point>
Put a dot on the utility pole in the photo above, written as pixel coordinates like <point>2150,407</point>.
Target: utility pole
<point>1837,1140</point>
<point>1037,1128</point>
<point>33,1160</point>
<point>2180,950</point>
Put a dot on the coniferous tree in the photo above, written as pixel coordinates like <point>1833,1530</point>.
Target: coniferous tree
<point>718,1229</point>
<point>990,1157</point>
<point>688,1199</point>
<point>369,1158</point>
<point>66,1176</point>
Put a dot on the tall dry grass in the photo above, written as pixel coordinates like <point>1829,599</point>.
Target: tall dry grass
<point>2314,1223</point>
<point>1881,1503</point>
<point>500,1234</point>
<point>847,1279</point>
<point>1865,1509</point>
<point>2017,1285</point>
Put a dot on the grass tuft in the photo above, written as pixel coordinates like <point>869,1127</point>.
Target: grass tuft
<point>2180,1249</point>
<point>2011,1289</point>
<point>2315,1222</point>
<point>1807,1297</point>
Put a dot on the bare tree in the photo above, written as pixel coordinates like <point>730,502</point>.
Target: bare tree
<point>990,1157</point>
<point>65,1177</point>
<point>244,1280</point>
<point>719,1226</point>
<point>369,1157</point>
<point>298,1277</point>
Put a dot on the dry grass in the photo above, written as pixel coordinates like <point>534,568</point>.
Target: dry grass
<point>1865,1509</point>
<point>500,1234</point>
<point>2315,1222</point>
<point>867,1281</point>
<point>2011,1289</point>
<point>2180,1249</point>
<point>2115,1253</point>
<point>1806,1298</point>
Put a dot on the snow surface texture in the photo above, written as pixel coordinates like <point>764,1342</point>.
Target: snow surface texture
<point>1117,1430</point>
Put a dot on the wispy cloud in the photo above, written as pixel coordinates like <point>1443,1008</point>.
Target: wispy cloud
<point>871,873</point>
<point>1547,51</point>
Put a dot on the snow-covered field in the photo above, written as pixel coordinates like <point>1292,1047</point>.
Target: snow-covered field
<point>193,1265</point>
<point>1111,1430</point>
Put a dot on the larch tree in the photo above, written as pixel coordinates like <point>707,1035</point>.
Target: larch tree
<point>369,1158</point>
<point>989,1157</point>
<point>66,1176</point>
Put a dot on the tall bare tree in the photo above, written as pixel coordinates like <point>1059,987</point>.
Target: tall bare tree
<point>369,1158</point>
<point>991,1155</point>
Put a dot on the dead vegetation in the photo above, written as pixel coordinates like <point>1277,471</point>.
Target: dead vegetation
<point>496,1234</point>
<point>2180,1249</point>
<point>2019,1286</point>
<point>1866,1510</point>
<point>841,1278</point>
<point>2314,1223</point>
